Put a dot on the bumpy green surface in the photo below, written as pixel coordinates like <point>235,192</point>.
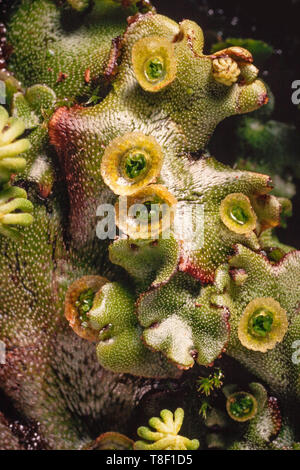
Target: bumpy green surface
<point>52,50</point>
<point>156,315</point>
<point>181,323</point>
<point>264,279</point>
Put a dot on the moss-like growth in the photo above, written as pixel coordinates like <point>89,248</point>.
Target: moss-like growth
<point>206,385</point>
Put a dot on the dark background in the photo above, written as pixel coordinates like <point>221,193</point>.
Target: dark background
<point>276,23</point>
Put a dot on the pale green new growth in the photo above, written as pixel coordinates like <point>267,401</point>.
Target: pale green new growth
<point>15,210</point>
<point>10,148</point>
<point>165,436</point>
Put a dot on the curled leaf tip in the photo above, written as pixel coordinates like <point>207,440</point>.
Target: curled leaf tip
<point>252,96</point>
<point>192,34</point>
<point>249,72</point>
